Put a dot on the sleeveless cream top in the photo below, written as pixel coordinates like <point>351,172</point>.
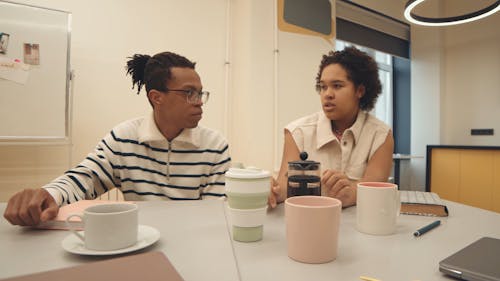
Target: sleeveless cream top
<point>314,135</point>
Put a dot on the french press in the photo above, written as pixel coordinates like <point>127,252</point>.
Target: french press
<point>304,177</point>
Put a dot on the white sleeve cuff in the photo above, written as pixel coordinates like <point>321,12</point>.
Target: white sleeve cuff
<point>56,194</point>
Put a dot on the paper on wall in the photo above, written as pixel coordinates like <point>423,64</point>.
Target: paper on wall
<point>14,70</point>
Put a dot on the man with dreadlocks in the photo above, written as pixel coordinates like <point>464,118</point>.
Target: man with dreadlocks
<point>163,156</point>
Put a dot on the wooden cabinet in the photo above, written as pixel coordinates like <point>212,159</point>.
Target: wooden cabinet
<point>465,174</point>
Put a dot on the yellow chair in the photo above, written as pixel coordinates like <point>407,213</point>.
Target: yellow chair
<point>465,174</point>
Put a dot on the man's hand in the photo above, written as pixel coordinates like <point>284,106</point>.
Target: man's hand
<point>338,185</point>
<point>29,207</point>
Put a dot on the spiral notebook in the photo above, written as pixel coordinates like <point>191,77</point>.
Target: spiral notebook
<point>422,203</point>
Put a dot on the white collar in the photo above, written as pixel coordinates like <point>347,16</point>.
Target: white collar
<point>324,132</point>
<point>149,132</point>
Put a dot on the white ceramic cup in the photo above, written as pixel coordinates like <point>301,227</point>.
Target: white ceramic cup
<point>377,207</point>
<point>312,228</point>
<point>108,226</point>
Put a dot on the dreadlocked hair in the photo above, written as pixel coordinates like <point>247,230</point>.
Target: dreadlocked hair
<point>135,68</point>
<point>154,72</point>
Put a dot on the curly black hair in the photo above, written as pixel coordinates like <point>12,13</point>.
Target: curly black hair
<point>154,72</point>
<point>361,70</point>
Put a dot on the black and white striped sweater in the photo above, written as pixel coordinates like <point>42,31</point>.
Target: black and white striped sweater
<point>136,158</point>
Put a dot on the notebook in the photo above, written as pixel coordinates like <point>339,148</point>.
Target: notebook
<point>478,261</point>
<point>149,266</point>
<point>422,203</point>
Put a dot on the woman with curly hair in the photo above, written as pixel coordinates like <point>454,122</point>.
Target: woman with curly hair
<point>351,144</point>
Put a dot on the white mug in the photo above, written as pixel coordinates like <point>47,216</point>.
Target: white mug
<point>377,207</point>
<point>108,226</point>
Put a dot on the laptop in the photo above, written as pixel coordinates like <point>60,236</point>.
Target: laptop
<point>149,266</point>
<point>479,261</point>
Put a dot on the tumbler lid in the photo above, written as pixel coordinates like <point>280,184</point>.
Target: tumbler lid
<point>247,173</point>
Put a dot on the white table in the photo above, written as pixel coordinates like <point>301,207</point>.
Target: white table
<point>400,257</point>
<point>195,237</point>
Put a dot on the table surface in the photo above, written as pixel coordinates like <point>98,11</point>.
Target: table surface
<point>196,238</point>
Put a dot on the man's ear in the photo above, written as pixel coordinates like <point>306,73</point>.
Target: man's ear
<point>155,97</point>
<point>360,91</point>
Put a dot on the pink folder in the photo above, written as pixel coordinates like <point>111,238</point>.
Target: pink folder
<point>150,266</point>
<point>59,222</point>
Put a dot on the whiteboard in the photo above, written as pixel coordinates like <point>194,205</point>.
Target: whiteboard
<point>38,108</point>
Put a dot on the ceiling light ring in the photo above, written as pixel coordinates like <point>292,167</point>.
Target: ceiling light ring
<point>414,18</point>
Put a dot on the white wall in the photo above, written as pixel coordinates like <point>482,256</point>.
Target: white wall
<point>455,74</point>
<point>426,84</point>
<point>426,87</point>
<point>252,39</point>
<point>471,97</point>
<point>104,34</point>
<point>273,82</point>
<point>298,64</point>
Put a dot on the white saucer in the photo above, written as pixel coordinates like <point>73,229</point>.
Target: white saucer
<point>146,236</point>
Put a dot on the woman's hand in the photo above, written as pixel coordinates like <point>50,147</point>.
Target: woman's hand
<point>337,185</point>
<point>275,196</point>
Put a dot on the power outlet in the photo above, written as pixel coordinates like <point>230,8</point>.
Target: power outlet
<point>481,132</point>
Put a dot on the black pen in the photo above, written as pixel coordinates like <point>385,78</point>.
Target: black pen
<point>426,228</point>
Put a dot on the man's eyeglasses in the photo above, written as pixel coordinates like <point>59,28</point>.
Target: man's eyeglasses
<point>193,96</point>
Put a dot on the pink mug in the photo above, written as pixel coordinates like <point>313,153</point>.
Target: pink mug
<point>312,227</point>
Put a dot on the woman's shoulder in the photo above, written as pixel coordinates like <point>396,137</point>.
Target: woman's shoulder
<point>375,124</point>
<point>306,121</point>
